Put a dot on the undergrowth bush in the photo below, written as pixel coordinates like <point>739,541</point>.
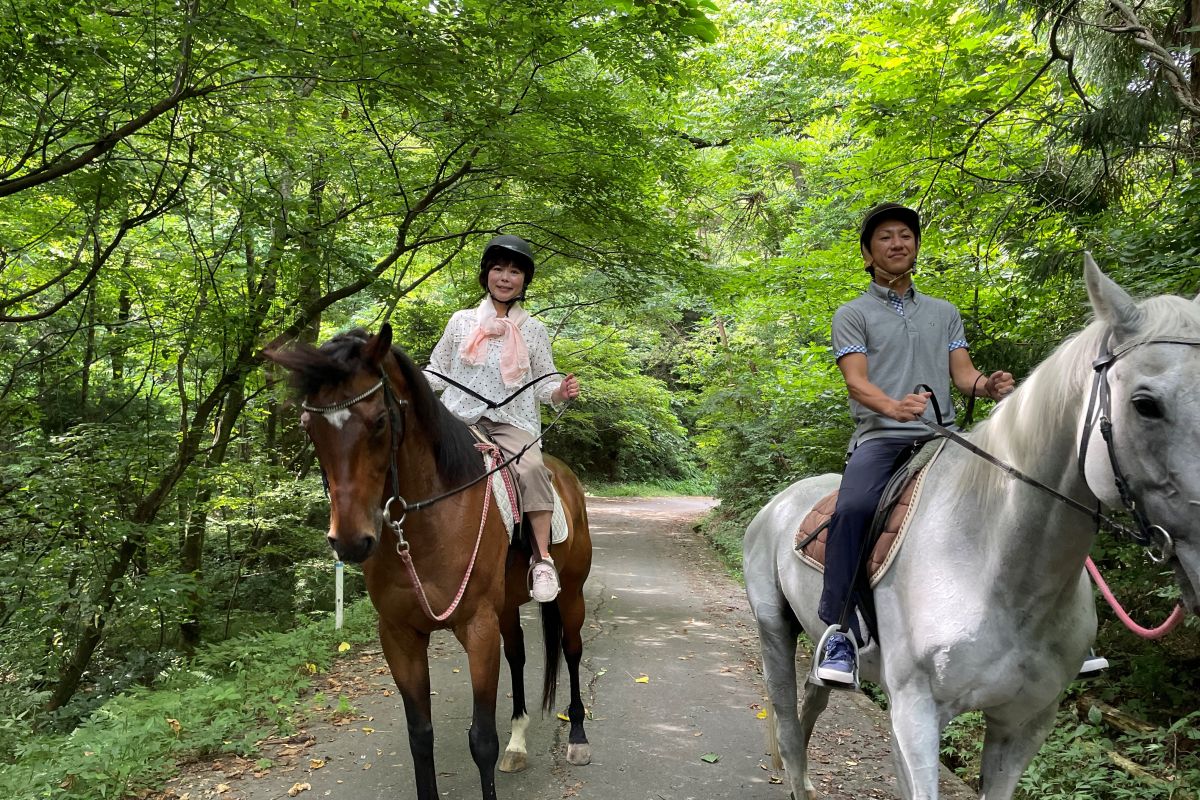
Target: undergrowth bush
<point>658,488</point>
<point>230,696</point>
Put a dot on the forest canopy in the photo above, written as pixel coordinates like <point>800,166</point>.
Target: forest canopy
<point>183,185</point>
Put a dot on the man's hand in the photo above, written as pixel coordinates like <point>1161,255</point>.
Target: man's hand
<point>999,385</point>
<point>910,407</point>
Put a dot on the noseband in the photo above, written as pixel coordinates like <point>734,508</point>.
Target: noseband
<point>1154,538</point>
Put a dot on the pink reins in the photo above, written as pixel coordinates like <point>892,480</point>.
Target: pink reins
<point>494,455</point>
<point>1146,633</point>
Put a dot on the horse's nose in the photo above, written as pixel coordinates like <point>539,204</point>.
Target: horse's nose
<point>354,552</point>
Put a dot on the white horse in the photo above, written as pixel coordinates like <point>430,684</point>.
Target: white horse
<point>987,606</point>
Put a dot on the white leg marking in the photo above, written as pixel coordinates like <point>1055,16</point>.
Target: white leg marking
<point>515,757</point>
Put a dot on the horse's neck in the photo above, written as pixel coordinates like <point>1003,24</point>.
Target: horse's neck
<point>1034,430</point>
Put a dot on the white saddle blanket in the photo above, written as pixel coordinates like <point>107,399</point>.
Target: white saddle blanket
<point>558,519</point>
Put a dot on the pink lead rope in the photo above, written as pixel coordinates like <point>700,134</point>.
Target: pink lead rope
<point>406,556</point>
<point>1146,633</point>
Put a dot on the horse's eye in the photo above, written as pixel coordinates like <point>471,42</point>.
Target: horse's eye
<point>379,425</point>
<point>1147,406</point>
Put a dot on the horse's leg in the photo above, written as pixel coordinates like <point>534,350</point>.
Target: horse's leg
<point>916,731</point>
<point>572,606</point>
<point>777,632</point>
<point>407,653</point>
<point>1008,749</point>
<point>480,637</point>
<point>515,756</point>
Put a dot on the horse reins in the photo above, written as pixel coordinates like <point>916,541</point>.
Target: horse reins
<point>395,407</point>
<point>1154,538</point>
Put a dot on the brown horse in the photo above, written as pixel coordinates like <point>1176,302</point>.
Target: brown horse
<point>386,444</point>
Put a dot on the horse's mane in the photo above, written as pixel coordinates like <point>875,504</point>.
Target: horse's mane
<point>1049,400</point>
<point>339,358</point>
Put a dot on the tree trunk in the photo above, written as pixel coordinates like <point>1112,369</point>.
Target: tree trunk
<point>192,548</point>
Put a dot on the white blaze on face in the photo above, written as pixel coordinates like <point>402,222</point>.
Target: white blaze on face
<point>337,418</point>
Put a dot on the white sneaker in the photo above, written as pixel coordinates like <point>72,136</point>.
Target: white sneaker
<point>1093,665</point>
<point>543,581</point>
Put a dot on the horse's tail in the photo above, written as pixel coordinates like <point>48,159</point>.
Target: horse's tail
<point>552,639</point>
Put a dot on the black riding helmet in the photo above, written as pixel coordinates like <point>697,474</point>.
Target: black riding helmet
<point>510,248</point>
<point>884,212</point>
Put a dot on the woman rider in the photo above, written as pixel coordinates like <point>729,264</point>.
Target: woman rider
<point>493,350</point>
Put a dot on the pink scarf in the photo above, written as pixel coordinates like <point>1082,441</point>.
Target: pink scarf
<point>514,355</point>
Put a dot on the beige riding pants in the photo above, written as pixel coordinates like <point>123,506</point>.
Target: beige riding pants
<point>532,475</point>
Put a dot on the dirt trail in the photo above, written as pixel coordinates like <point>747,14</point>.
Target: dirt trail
<point>660,608</point>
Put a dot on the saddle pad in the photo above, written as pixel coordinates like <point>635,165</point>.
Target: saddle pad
<point>886,547</point>
<point>558,518</point>
<point>505,499</point>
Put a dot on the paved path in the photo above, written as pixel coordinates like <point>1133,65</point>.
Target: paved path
<point>660,606</point>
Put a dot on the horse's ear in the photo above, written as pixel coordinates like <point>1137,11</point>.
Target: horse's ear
<point>377,346</point>
<point>1112,304</point>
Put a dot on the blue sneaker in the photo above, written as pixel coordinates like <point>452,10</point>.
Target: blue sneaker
<point>837,665</point>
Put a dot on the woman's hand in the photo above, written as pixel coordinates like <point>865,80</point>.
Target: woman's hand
<point>567,391</point>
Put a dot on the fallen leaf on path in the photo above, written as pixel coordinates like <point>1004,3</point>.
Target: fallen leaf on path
<point>563,717</point>
<point>642,679</point>
<point>367,730</point>
<point>316,763</point>
<point>774,779</point>
<point>221,788</point>
<point>297,788</point>
<point>343,647</point>
<point>762,714</point>
<point>710,758</point>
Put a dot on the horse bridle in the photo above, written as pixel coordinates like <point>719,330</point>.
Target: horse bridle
<point>395,406</point>
<point>1154,538</point>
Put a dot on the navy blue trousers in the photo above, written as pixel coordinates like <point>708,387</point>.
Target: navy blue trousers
<point>870,467</point>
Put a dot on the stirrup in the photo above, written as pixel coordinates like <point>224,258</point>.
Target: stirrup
<point>819,653</point>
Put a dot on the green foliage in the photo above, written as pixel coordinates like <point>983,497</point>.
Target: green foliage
<point>223,701</point>
<point>661,488</point>
<point>1081,759</point>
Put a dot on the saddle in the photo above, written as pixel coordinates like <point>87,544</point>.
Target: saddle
<point>507,494</point>
<point>889,524</point>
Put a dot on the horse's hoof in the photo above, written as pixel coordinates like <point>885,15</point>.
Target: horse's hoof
<point>513,761</point>
<point>579,754</point>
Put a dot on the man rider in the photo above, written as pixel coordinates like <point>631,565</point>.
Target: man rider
<point>887,341</point>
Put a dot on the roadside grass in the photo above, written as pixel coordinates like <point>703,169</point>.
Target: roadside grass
<point>684,487</point>
<point>225,700</point>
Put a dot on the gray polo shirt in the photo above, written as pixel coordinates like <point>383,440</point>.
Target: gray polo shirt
<point>903,351</point>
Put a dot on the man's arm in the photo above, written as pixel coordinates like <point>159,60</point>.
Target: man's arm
<point>968,379</point>
<point>854,372</point>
